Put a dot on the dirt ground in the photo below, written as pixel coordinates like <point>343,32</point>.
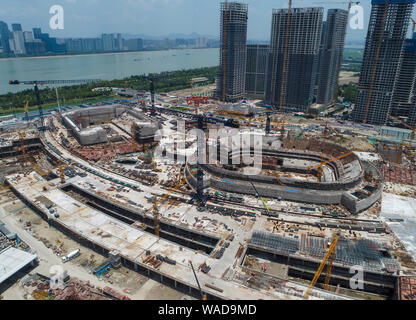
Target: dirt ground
<point>188,92</point>
<point>347,77</point>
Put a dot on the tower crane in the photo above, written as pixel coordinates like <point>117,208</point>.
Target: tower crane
<point>203,295</point>
<point>133,142</point>
<point>61,172</point>
<point>400,150</point>
<point>156,203</point>
<point>414,26</point>
<point>26,111</point>
<point>37,83</point>
<point>329,257</point>
<point>22,145</point>
<point>323,163</point>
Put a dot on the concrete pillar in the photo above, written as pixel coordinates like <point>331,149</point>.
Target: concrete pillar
<point>161,278</point>
<point>136,267</point>
<point>148,272</point>
<point>176,284</point>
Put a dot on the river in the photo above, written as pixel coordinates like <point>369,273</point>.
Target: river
<point>101,66</point>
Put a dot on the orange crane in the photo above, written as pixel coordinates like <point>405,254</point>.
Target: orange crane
<point>373,72</point>
<point>329,257</point>
<point>156,203</point>
<point>334,159</point>
<point>414,26</point>
<point>26,110</point>
<point>22,146</point>
<point>285,55</point>
<point>61,172</point>
<point>321,168</point>
<point>400,150</point>
<point>282,130</point>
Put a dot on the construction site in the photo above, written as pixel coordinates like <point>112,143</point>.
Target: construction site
<point>213,230</point>
<point>182,196</point>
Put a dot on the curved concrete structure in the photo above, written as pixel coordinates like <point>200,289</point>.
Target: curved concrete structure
<point>355,184</point>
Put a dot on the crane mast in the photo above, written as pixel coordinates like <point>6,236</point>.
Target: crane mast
<point>37,83</point>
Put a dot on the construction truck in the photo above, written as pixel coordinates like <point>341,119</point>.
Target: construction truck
<point>71,255</point>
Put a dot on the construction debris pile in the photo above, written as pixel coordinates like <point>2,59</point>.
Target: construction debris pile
<point>105,152</point>
<point>399,174</point>
<point>74,290</point>
<point>407,288</point>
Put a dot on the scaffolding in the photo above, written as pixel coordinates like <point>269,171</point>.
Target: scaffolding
<point>368,254</point>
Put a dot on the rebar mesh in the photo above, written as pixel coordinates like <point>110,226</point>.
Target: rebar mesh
<point>365,253</point>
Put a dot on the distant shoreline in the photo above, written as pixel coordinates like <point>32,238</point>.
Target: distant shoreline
<point>96,54</point>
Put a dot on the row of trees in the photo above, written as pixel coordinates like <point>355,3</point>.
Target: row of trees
<point>349,92</point>
<point>166,81</point>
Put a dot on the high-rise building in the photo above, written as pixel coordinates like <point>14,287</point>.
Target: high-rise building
<point>4,37</point>
<point>233,51</point>
<point>19,42</point>
<point>403,96</point>
<point>134,44</point>
<point>257,56</point>
<point>379,73</point>
<point>35,47</point>
<point>291,81</point>
<point>16,27</point>
<point>412,115</point>
<point>37,32</point>
<point>330,57</point>
<point>108,42</point>
<point>74,45</point>
<point>201,42</point>
<point>119,42</point>
<point>88,44</point>
<point>28,36</point>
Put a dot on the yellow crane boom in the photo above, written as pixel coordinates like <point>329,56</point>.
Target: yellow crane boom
<point>328,256</point>
<point>22,146</point>
<point>334,159</point>
<point>412,135</point>
<point>26,110</point>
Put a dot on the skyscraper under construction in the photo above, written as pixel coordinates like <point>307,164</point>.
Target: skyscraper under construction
<point>231,78</point>
<point>403,97</point>
<point>293,60</point>
<point>383,56</point>
<point>330,58</point>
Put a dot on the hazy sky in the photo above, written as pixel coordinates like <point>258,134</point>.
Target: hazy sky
<point>89,18</point>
